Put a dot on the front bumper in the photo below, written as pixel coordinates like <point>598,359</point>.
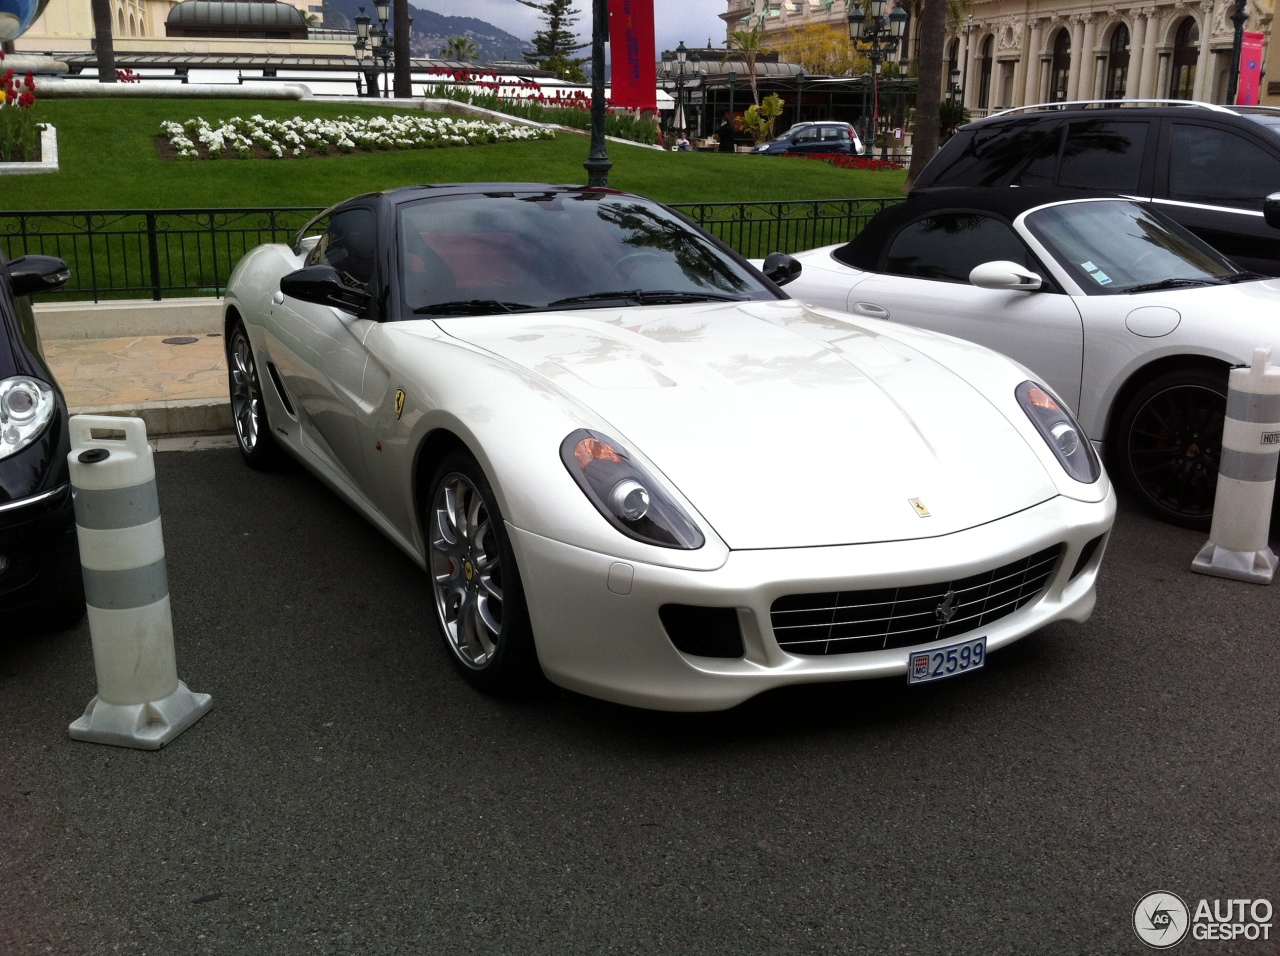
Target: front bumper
<point>613,645</point>
<point>39,555</point>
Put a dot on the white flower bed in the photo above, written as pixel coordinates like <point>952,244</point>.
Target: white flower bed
<point>240,137</point>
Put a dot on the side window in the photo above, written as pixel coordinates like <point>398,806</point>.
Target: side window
<point>947,246</point>
<point>1104,154</point>
<point>809,135</point>
<point>991,156</point>
<point>1209,164</point>
<point>348,244</point>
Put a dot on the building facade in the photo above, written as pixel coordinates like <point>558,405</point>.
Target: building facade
<point>1007,53</point>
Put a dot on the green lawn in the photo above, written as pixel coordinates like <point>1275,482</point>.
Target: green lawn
<point>109,160</point>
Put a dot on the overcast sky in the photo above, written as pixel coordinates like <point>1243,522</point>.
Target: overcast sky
<point>690,20</point>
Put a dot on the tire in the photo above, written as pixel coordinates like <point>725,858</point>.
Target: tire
<point>1168,445</point>
<point>249,414</point>
<point>475,584</point>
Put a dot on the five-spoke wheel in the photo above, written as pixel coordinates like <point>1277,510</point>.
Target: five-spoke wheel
<point>257,444</point>
<point>479,603</point>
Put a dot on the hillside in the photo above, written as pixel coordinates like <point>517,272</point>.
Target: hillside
<point>431,30</point>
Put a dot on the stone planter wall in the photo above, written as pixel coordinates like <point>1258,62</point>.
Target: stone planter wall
<point>48,153</point>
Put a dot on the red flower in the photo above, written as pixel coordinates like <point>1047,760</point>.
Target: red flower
<point>31,80</point>
<point>26,100</point>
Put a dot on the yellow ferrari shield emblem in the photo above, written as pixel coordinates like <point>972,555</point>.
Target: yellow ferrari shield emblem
<point>921,510</point>
<point>399,402</point>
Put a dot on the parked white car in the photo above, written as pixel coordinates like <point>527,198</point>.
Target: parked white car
<point>1128,317</point>
<point>623,455</point>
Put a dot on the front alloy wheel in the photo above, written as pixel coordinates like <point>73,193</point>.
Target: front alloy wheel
<point>1171,444</point>
<point>479,603</point>
<point>253,435</point>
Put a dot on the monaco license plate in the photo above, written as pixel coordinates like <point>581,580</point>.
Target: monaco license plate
<point>941,662</point>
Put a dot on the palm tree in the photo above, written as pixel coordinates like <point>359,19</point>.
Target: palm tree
<point>103,45</point>
<point>747,42</point>
<point>461,48</point>
<point>924,138</point>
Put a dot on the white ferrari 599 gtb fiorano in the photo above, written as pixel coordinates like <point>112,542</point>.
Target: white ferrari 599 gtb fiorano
<point>625,457</point>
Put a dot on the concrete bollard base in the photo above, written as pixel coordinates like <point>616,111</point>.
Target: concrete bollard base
<point>1252,567</point>
<point>146,726</point>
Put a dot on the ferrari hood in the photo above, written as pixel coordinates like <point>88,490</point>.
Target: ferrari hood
<point>782,426</point>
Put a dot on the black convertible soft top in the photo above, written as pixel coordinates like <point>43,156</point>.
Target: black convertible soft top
<point>1007,203</point>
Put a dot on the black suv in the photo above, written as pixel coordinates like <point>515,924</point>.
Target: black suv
<point>1208,167</point>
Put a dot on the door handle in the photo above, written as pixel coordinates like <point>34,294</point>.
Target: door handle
<point>870,310</point>
<point>277,298</point>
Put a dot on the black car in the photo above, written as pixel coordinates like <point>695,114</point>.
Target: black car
<point>1209,168</point>
<point>40,581</point>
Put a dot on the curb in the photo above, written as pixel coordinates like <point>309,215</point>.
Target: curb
<point>169,419</point>
<point>116,318</point>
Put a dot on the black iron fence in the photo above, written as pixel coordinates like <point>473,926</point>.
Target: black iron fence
<point>165,253</point>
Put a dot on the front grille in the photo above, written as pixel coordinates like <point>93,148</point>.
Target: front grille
<point>851,622</point>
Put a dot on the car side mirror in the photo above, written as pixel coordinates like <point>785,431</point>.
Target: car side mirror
<point>31,275</point>
<point>780,268</point>
<point>1271,210</point>
<point>323,286</point>
<point>1002,274</point>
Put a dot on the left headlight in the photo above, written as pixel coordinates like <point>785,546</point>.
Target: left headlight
<point>1066,439</point>
<point>26,408</point>
<point>625,493</point>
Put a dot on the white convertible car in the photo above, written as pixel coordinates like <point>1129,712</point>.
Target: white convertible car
<point>625,457</point>
<point>1128,317</point>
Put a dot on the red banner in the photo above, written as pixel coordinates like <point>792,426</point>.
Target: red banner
<point>1249,90</point>
<point>633,71</point>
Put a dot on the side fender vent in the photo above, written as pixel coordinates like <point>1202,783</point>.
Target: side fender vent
<point>280,390</point>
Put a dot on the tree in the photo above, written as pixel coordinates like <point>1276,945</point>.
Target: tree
<point>461,48</point>
<point>822,49</point>
<point>552,47</point>
<point>103,45</point>
<point>924,136</point>
<point>746,42</point>
<point>758,120</point>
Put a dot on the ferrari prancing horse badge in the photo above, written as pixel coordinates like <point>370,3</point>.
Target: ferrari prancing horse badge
<point>399,402</point>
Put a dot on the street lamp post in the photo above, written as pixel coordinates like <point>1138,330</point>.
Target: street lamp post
<point>956,91</point>
<point>362,47</point>
<point>1238,17</point>
<point>598,164</point>
<point>383,45</point>
<point>879,37</point>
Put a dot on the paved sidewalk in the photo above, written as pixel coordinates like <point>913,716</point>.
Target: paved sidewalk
<point>177,384</point>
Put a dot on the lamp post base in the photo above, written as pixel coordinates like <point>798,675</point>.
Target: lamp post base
<point>598,171</point>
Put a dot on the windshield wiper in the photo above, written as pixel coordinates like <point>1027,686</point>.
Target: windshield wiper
<point>1169,284</point>
<point>1244,277</point>
<point>473,307</point>
<point>645,297</point>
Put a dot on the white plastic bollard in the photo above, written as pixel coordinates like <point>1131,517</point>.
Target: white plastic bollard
<point>1237,546</point>
<point>140,701</point>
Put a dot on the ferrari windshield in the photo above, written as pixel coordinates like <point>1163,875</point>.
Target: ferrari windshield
<point>490,253</point>
<point>1119,246</point>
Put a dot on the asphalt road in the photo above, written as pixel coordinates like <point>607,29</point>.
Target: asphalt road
<point>348,793</point>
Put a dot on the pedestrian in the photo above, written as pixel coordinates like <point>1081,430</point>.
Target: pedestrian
<point>682,142</point>
<point>725,133</point>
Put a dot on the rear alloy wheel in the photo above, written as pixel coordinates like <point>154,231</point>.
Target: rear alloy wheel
<point>1169,445</point>
<point>253,434</point>
<point>479,602</point>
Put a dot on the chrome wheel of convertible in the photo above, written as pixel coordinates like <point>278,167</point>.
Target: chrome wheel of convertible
<point>479,604</point>
<point>253,435</point>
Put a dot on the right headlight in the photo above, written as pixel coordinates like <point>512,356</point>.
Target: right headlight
<point>26,408</point>
<point>625,493</point>
<point>1064,436</point>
